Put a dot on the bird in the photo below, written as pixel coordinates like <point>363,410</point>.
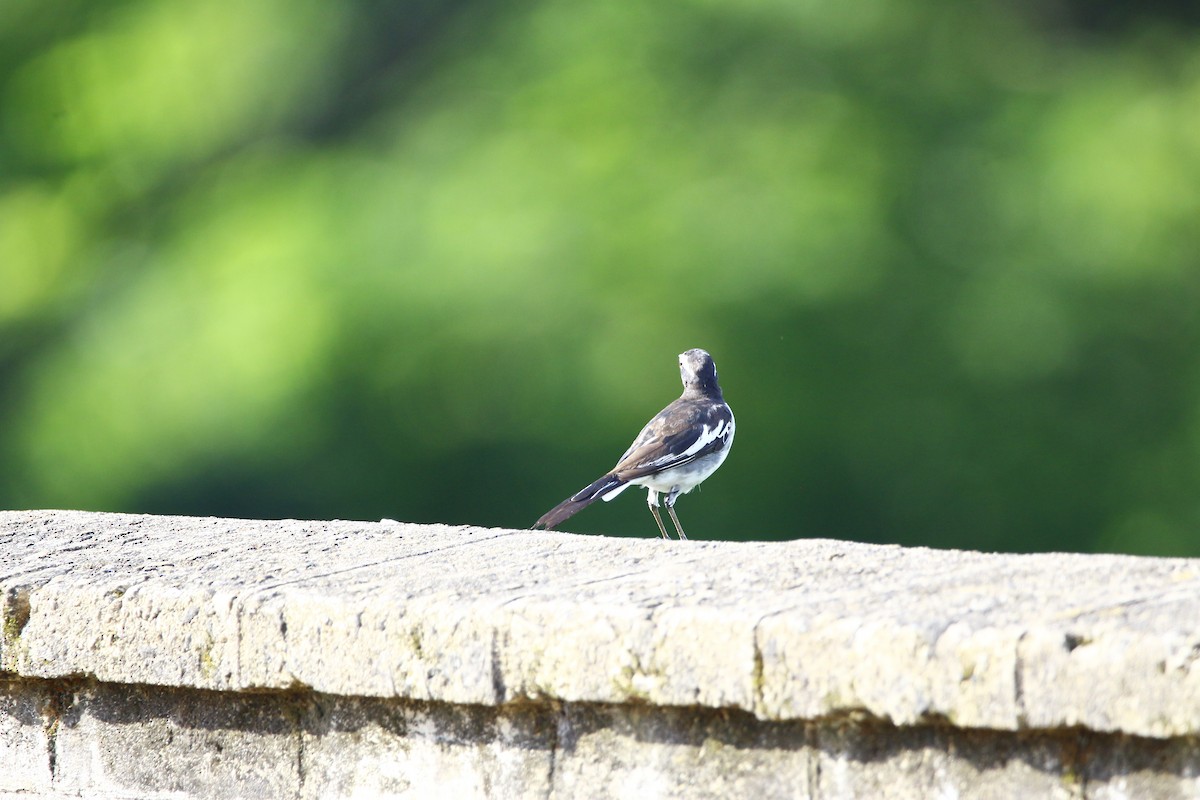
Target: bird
<point>681,446</point>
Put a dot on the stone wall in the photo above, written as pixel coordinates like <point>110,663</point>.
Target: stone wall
<point>148,656</point>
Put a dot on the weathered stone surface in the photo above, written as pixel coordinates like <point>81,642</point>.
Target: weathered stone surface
<point>864,760</point>
<point>639,752</point>
<point>24,755</point>
<point>1120,768</point>
<point>793,630</point>
<point>108,741</point>
<point>357,747</point>
<point>122,739</point>
<point>168,656</point>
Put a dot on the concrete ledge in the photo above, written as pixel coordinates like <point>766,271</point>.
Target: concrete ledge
<point>791,647</point>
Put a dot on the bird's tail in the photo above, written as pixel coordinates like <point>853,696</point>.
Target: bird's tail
<point>580,500</point>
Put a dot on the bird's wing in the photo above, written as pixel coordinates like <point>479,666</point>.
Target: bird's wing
<point>680,433</point>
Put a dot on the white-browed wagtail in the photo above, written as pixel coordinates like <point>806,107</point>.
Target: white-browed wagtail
<point>679,448</point>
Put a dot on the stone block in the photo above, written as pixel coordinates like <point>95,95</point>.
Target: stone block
<point>153,741</point>
<point>642,752</point>
<point>25,737</point>
<point>367,747</point>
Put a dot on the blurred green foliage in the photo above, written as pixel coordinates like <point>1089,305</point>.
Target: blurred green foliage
<point>434,261</point>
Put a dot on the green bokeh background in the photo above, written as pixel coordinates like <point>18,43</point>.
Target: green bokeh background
<point>434,261</point>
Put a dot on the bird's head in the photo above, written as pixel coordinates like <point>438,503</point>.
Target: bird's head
<point>699,373</point>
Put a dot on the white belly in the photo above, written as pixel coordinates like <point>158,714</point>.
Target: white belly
<point>683,479</point>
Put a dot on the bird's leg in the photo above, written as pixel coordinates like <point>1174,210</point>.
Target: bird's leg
<point>662,528</point>
<point>671,510</point>
<point>652,501</point>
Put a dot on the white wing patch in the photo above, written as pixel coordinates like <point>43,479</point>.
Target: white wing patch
<point>705,438</point>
